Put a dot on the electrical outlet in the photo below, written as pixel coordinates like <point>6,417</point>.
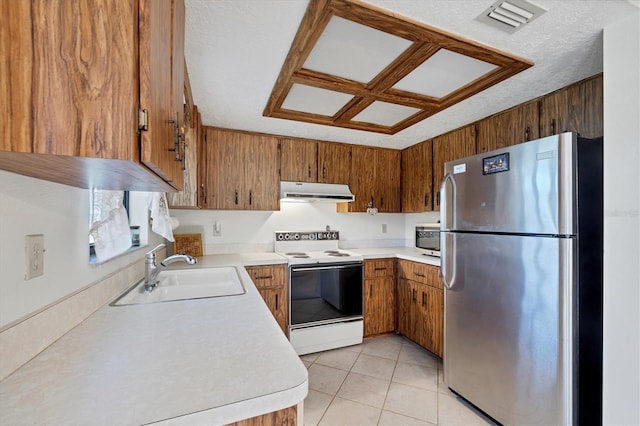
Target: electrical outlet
<point>34,256</point>
<point>217,229</point>
<point>384,228</point>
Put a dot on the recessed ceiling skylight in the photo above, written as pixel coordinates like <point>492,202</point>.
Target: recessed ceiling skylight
<point>314,100</point>
<point>444,73</point>
<point>385,113</point>
<point>361,67</point>
<point>350,50</point>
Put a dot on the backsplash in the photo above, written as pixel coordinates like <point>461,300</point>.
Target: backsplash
<point>254,230</point>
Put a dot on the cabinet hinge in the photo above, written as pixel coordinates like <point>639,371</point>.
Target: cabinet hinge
<point>143,120</point>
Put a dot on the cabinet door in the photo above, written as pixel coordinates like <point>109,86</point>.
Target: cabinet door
<point>158,143</point>
<point>430,318</point>
<point>275,299</point>
<point>298,160</point>
<point>363,177</point>
<point>417,182</point>
<point>576,108</point>
<point>334,162</point>
<point>177,58</point>
<point>407,301</point>
<point>514,126</point>
<point>261,178</point>
<point>387,183</point>
<point>379,306</point>
<point>190,197</point>
<point>225,153</point>
<point>450,146</point>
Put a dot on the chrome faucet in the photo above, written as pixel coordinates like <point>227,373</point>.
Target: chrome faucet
<point>151,270</point>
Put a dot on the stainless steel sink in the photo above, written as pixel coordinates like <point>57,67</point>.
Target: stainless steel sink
<point>186,284</point>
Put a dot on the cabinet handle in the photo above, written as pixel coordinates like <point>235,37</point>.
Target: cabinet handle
<point>324,172</point>
<point>380,269</point>
<point>236,197</point>
<point>418,274</point>
<point>413,294</point>
<point>264,277</point>
<point>309,172</point>
<point>423,299</point>
<point>526,133</point>
<point>553,126</point>
<point>426,199</point>
<point>381,202</point>
<point>438,198</point>
<point>250,197</point>
<point>276,301</point>
<point>370,290</point>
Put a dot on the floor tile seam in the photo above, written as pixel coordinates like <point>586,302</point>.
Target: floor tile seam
<point>416,387</point>
<point>411,417</point>
<point>363,403</point>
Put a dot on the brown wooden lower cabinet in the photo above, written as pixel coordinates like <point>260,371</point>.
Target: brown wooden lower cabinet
<point>420,305</point>
<point>271,282</point>
<point>379,296</point>
<point>284,417</point>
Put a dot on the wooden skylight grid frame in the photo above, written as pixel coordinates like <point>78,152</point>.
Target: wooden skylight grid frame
<point>425,41</point>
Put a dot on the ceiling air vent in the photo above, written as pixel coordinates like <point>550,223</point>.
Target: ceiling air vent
<point>510,15</point>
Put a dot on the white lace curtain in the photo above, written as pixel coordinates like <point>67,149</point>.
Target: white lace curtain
<point>109,224</point>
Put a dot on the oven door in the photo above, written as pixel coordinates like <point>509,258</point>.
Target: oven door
<point>324,293</point>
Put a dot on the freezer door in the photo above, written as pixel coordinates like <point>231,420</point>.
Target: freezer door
<point>508,310</point>
<point>526,188</point>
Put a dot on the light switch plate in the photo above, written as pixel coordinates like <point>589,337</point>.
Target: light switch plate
<point>34,256</point>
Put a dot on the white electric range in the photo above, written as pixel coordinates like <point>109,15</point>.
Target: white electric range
<point>325,291</point>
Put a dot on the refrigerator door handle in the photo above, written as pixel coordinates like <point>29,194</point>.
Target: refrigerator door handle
<point>447,261</point>
<point>447,202</point>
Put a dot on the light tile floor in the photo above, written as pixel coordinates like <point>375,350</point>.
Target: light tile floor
<point>387,380</point>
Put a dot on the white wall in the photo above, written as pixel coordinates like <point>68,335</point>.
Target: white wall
<point>61,213</point>
<point>621,397</point>
<point>254,231</point>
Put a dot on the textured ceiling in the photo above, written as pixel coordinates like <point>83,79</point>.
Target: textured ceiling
<point>235,49</point>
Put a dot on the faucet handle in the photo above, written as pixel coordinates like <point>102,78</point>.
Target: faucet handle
<point>152,253</point>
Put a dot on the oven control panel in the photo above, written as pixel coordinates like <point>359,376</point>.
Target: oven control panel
<point>308,236</point>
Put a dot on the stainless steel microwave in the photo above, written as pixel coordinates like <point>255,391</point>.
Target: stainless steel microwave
<point>428,238</point>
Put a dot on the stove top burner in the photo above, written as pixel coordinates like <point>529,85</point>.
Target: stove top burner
<point>338,254</point>
<point>331,251</point>
<point>301,256</point>
<point>296,253</point>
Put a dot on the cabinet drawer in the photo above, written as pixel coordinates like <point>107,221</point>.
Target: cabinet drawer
<point>379,268</point>
<point>420,272</point>
<point>268,276</point>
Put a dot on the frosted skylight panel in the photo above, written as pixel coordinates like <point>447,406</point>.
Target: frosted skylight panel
<point>315,100</point>
<point>385,113</point>
<point>444,73</point>
<point>354,51</point>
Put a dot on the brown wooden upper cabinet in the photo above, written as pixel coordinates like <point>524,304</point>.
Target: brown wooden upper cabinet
<point>417,180</point>
<point>450,146</point>
<point>73,82</point>
<point>510,127</point>
<point>334,162</point>
<point>375,177</point>
<point>192,194</point>
<point>298,160</point>
<point>242,170</point>
<point>576,108</point>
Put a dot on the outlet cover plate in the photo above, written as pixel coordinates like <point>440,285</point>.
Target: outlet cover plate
<point>34,256</point>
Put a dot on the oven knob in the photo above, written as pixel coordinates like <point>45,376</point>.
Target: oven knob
<point>286,236</point>
<point>312,236</point>
<point>280,236</point>
<point>296,236</point>
<point>334,236</point>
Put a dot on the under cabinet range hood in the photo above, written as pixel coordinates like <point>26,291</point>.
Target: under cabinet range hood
<point>307,191</point>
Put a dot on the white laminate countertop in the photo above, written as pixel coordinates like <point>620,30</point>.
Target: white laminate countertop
<point>205,361</point>
<point>407,253</point>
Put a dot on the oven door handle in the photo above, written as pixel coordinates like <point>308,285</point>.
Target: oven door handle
<point>319,268</point>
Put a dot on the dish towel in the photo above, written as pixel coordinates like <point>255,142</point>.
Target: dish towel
<point>110,228</point>
<point>161,221</point>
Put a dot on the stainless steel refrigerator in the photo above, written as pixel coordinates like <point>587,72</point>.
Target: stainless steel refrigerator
<point>521,247</point>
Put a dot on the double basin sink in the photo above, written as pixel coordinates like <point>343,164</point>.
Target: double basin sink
<point>186,284</point>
